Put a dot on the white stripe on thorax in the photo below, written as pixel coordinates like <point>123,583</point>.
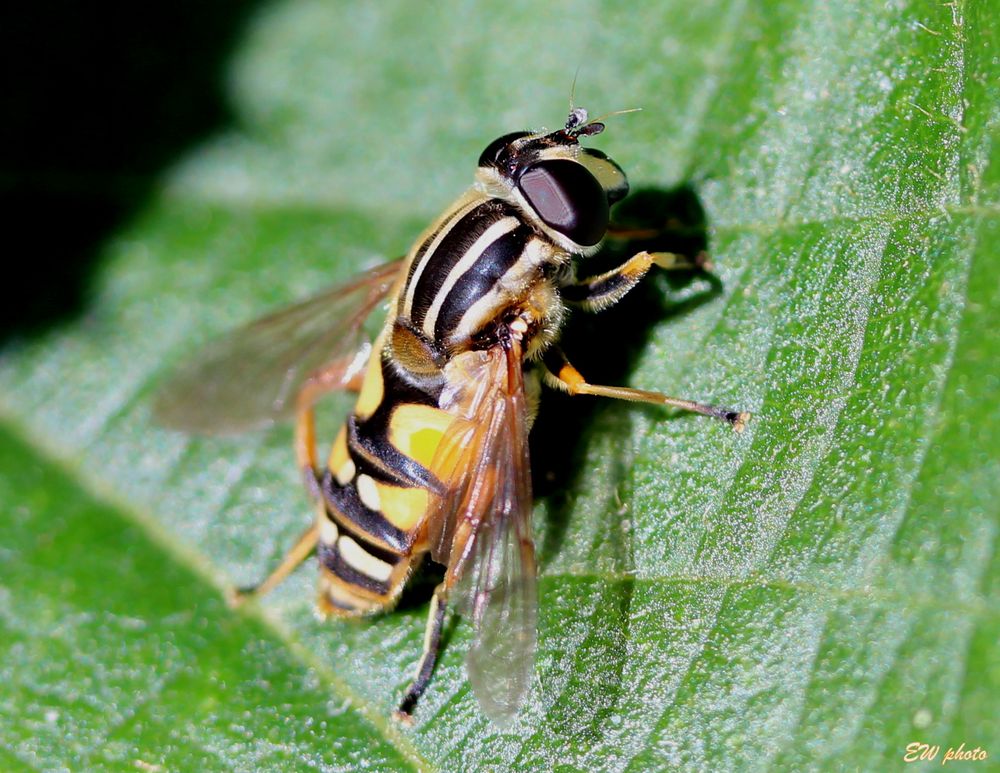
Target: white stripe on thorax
<point>500,228</point>
<point>512,284</point>
<point>449,222</point>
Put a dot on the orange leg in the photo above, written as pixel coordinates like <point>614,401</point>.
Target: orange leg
<point>599,292</point>
<point>340,374</point>
<point>559,373</point>
<point>300,551</point>
<point>629,234</point>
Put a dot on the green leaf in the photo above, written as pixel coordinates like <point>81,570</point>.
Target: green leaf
<point>817,592</point>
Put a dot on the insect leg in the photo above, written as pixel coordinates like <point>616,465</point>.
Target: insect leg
<point>344,373</point>
<point>560,374</point>
<point>300,551</point>
<point>432,646</point>
<point>599,292</point>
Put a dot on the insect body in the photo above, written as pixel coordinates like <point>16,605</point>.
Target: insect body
<point>434,457</point>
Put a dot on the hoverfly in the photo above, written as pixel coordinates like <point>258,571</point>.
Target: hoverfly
<point>434,457</point>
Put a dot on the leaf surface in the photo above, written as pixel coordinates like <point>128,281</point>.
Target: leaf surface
<point>818,591</point>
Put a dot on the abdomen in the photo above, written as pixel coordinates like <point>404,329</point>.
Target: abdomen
<point>376,491</point>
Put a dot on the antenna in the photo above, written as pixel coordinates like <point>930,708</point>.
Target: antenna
<point>614,112</point>
<point>572,90</point>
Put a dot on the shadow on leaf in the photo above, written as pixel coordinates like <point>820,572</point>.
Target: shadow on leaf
<point>605,348</point>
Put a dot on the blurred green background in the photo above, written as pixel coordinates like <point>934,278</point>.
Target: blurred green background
<point>819,592</point>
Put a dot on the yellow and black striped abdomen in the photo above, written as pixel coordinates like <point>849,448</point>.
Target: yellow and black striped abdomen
<point>376,491</point>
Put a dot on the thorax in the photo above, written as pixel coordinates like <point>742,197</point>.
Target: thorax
<point>480,262</point>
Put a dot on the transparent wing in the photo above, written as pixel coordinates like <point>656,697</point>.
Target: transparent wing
<point>249,378</point>
<point>500,586</point>
<point>483,528</point>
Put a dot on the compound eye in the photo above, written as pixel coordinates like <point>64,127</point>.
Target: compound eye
<point>568,199</point>
<point>608,173</point>
<point>495,149</point>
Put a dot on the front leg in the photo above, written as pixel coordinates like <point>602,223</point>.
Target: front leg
<point>599,292</point>
<point>559,373</point>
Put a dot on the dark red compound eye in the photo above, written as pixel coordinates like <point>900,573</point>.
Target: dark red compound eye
<point>568,199</point>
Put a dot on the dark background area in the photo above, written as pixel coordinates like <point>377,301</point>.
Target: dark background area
<point>98,99</point>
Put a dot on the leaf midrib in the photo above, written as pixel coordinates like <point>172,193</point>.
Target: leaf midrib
<point>201,567</point>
